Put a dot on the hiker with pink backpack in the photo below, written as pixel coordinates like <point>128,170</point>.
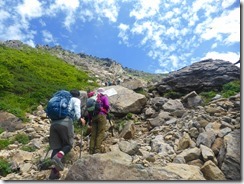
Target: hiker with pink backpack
<point>97,108</point>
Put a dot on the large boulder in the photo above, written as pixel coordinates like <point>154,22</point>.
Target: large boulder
<point>231,165</point>
<point>96,168</point>
<point>126,101</point>
<point>10,122</point>
<point>133,84</point>
<point>204,75</point>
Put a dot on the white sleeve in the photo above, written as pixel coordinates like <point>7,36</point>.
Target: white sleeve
<point>74,107</point>
<point>76,104</point>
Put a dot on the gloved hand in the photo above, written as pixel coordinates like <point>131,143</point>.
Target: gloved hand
<point>103,110</point>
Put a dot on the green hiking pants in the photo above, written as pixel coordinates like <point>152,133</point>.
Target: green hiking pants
<point>97,133</point>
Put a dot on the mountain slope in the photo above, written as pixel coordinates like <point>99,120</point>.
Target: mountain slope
<point>30,76</point>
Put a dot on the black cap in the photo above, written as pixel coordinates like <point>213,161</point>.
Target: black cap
<point>75,93</point>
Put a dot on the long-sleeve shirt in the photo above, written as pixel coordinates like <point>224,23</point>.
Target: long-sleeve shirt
<point>74,108</point>
<point>105,104</point>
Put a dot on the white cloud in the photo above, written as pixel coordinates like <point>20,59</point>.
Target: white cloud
<point>13,32</point>
<point>227,24</point>
<point>68,7</point>
<point>69,20</point>
<point>172,32</point>
<point>184,31</point>
<point>16,32</point>
<point>175,1</point>
<point>98,10</point>
<point>145,8</point>
<point>124,27</point>
<point>42,23</point>
<point>48,37</point>
<point>122,33</point>
<point>193,19</point>
<point>174,61</point>
<point>30,43</point>
<point>168,15</point>
<point>227,3</point>
<point>63,5</point>
<point>15,21</point>
<point>4,15</point>
<point>209,6</point>
<point>158,71</point>
<point>30,9</point>
<point>214,45</point>
<point>86,15</point>
<point>106,8</point>
<point>229,56</point>
<point>2,3</point>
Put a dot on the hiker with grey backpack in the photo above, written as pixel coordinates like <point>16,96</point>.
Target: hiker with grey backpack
<point>64,108</point>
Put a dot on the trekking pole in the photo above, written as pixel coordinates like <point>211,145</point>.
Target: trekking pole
<point>81,141</point>
<point>111,125</point>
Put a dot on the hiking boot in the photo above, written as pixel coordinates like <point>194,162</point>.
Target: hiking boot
<point>58,163</point>
<point>54,175</point>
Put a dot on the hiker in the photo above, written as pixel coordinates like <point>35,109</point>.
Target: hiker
<point>97,120</point>
<point>62,134</point>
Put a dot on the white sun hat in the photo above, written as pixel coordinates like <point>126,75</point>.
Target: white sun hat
<point>101,90</point>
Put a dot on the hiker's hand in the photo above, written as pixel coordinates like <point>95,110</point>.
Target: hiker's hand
<point>83,121</point>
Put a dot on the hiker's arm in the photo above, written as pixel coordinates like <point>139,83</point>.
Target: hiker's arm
<point>105,103</point>
<point>77,108</point>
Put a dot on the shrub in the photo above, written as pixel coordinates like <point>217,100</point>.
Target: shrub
<point>142,91</point>
<point>120,125</point>
<point>5,167</point>
<point>228,89</point>
<point>231,88</point>
<point>44,164</point>
<point>22,138</point>
<point>1,130</point>
<point>129,116</point>
<point>207,96</point>
<point>4,143</point>
<point>172,94</point>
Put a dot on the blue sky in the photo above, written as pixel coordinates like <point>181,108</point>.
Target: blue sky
<point>156,36</point>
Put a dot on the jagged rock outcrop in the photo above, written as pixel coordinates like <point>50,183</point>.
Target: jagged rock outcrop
<point>204,75</point>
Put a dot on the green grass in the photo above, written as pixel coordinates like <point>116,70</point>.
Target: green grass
<point>29,77</point>
<point>29,148</point>
<point>20,137</point>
